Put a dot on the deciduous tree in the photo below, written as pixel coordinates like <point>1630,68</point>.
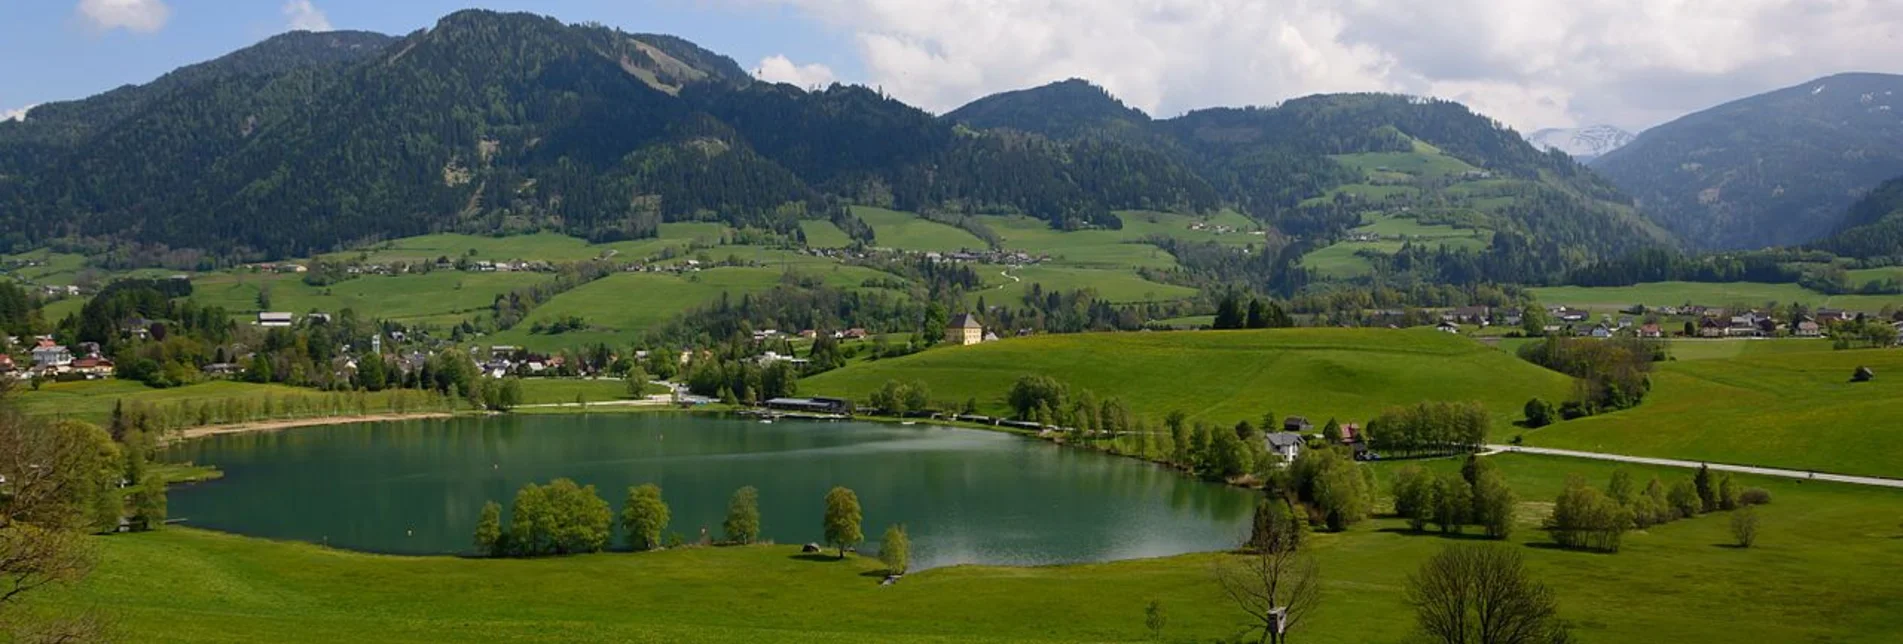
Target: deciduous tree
<point>1471,594</point>
<point>842,521</point>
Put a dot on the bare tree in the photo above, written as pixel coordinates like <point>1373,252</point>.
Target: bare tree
<point>1276,587</point>
<point>1482,595</point>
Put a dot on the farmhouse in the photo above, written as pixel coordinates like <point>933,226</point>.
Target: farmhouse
<point>1807,329</point>
<point>1285,445</point>
<point>1448,327</point>
<point>1710,328</point>
<point>92,368</point>
<point>1651,330</point>
<point>964,330</point>
<point>1297,424</point>
<point>1469,315</point>
<point>276,320</point>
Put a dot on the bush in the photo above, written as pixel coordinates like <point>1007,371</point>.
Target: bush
<point>1754,496</point>
<point>1744,527</point>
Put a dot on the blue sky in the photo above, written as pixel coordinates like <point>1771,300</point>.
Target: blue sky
<point>54,51</point>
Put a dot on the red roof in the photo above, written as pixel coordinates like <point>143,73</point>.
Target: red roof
<point>1349,432</point>
<point>88,363</point>
<point>6,360</point>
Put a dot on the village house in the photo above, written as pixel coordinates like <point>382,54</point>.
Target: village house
<point>275,319</point>
<point>1807,329</point>
<point>48,355</point>
<point>1297,424</point>
<point>93,368</point>
<point>6,364</point>
<point>1448,327</point>
<point>1827,316</point>
<point>1710,328</point>
<point>1651,330</point>
<point>964,330</point>
<point>1285,445</point>
<point>1480,315</point>
<point>1566,314</point>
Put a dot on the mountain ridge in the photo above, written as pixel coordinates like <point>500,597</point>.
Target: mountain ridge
<point>1773,169</point>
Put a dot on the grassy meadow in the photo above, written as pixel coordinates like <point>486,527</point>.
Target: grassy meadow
<point>1116,286</point>
<point>439,297</point>
<point>1821,572</point>
<point>906,231</point>
<point>1226,376</point>
<point>1795,410</point>
<point>1609,298</point>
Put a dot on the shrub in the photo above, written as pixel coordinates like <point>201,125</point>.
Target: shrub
<point>1755,496</point>
<point>1744,527</point>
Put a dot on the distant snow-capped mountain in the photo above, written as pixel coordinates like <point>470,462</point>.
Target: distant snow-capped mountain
<point>1584,143</point>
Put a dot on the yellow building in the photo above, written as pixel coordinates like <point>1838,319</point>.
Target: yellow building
<point>964,329</point>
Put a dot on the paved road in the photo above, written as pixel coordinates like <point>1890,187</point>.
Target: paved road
<point>1743,469</point>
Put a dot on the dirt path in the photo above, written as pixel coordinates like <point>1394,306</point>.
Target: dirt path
<point>275,425</point>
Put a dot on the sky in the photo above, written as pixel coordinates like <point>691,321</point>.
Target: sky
<point>1528,63</point>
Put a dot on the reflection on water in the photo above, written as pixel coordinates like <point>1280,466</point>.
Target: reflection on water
<point>966,496</point>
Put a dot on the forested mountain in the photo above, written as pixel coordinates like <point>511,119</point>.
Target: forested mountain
<point>1775,169</point>
<point>1273,162</point>
<point>1873,227</point>
<point>1065,110</point>
<point>56,126</point>
<point>493,122</point>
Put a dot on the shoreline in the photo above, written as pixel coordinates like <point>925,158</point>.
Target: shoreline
<point>293,423</point>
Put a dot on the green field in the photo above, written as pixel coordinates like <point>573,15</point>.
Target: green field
<point>548,391</point>
<point>1227,376</point>
<point>907,231</point>
<point>1791,410</point>
<point>1709,294</point>
<point>1116,286</point>
<point>1341,260</point>
<point>439,297</point>
<point>823,234</point>
<point>1825,550</point>
<point>620,307</point>
<point>1693,349</point>
<point>552,247</point>
<point>92,401</point>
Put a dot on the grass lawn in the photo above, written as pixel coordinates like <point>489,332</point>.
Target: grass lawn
<point>1227,376</point>
<point>1676,293</point>
<point>543,391</point>
<point>92,401</point>
<point>1695,349</point>
<point>1823,571</point>
<point>1116,286</point>
<point>1791,410</point>
<point>907,231</point>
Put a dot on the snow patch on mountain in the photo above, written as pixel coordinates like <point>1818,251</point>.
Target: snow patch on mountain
<point>1583,143</point>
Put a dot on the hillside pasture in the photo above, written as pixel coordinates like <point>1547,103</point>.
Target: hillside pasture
<point>908,231</point>
<point>1119,287</point>
<point>620,307</point>
<point>1226,376</point>
<point>442,298</point>
<point>1796,410</point>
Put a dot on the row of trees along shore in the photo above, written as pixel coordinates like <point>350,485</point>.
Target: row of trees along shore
<point>564,518</point>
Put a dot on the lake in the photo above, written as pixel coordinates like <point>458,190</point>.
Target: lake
<point>965,496</point>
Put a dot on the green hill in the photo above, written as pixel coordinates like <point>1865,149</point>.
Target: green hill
<point>1791,410</point>
<point>1226,376</point>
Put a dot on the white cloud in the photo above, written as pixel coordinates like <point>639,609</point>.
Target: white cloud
<point>131,15</point>
<point>13,115</point>
<point>1530,63</point>
<point>306,16</point>
<point>780,69</point>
